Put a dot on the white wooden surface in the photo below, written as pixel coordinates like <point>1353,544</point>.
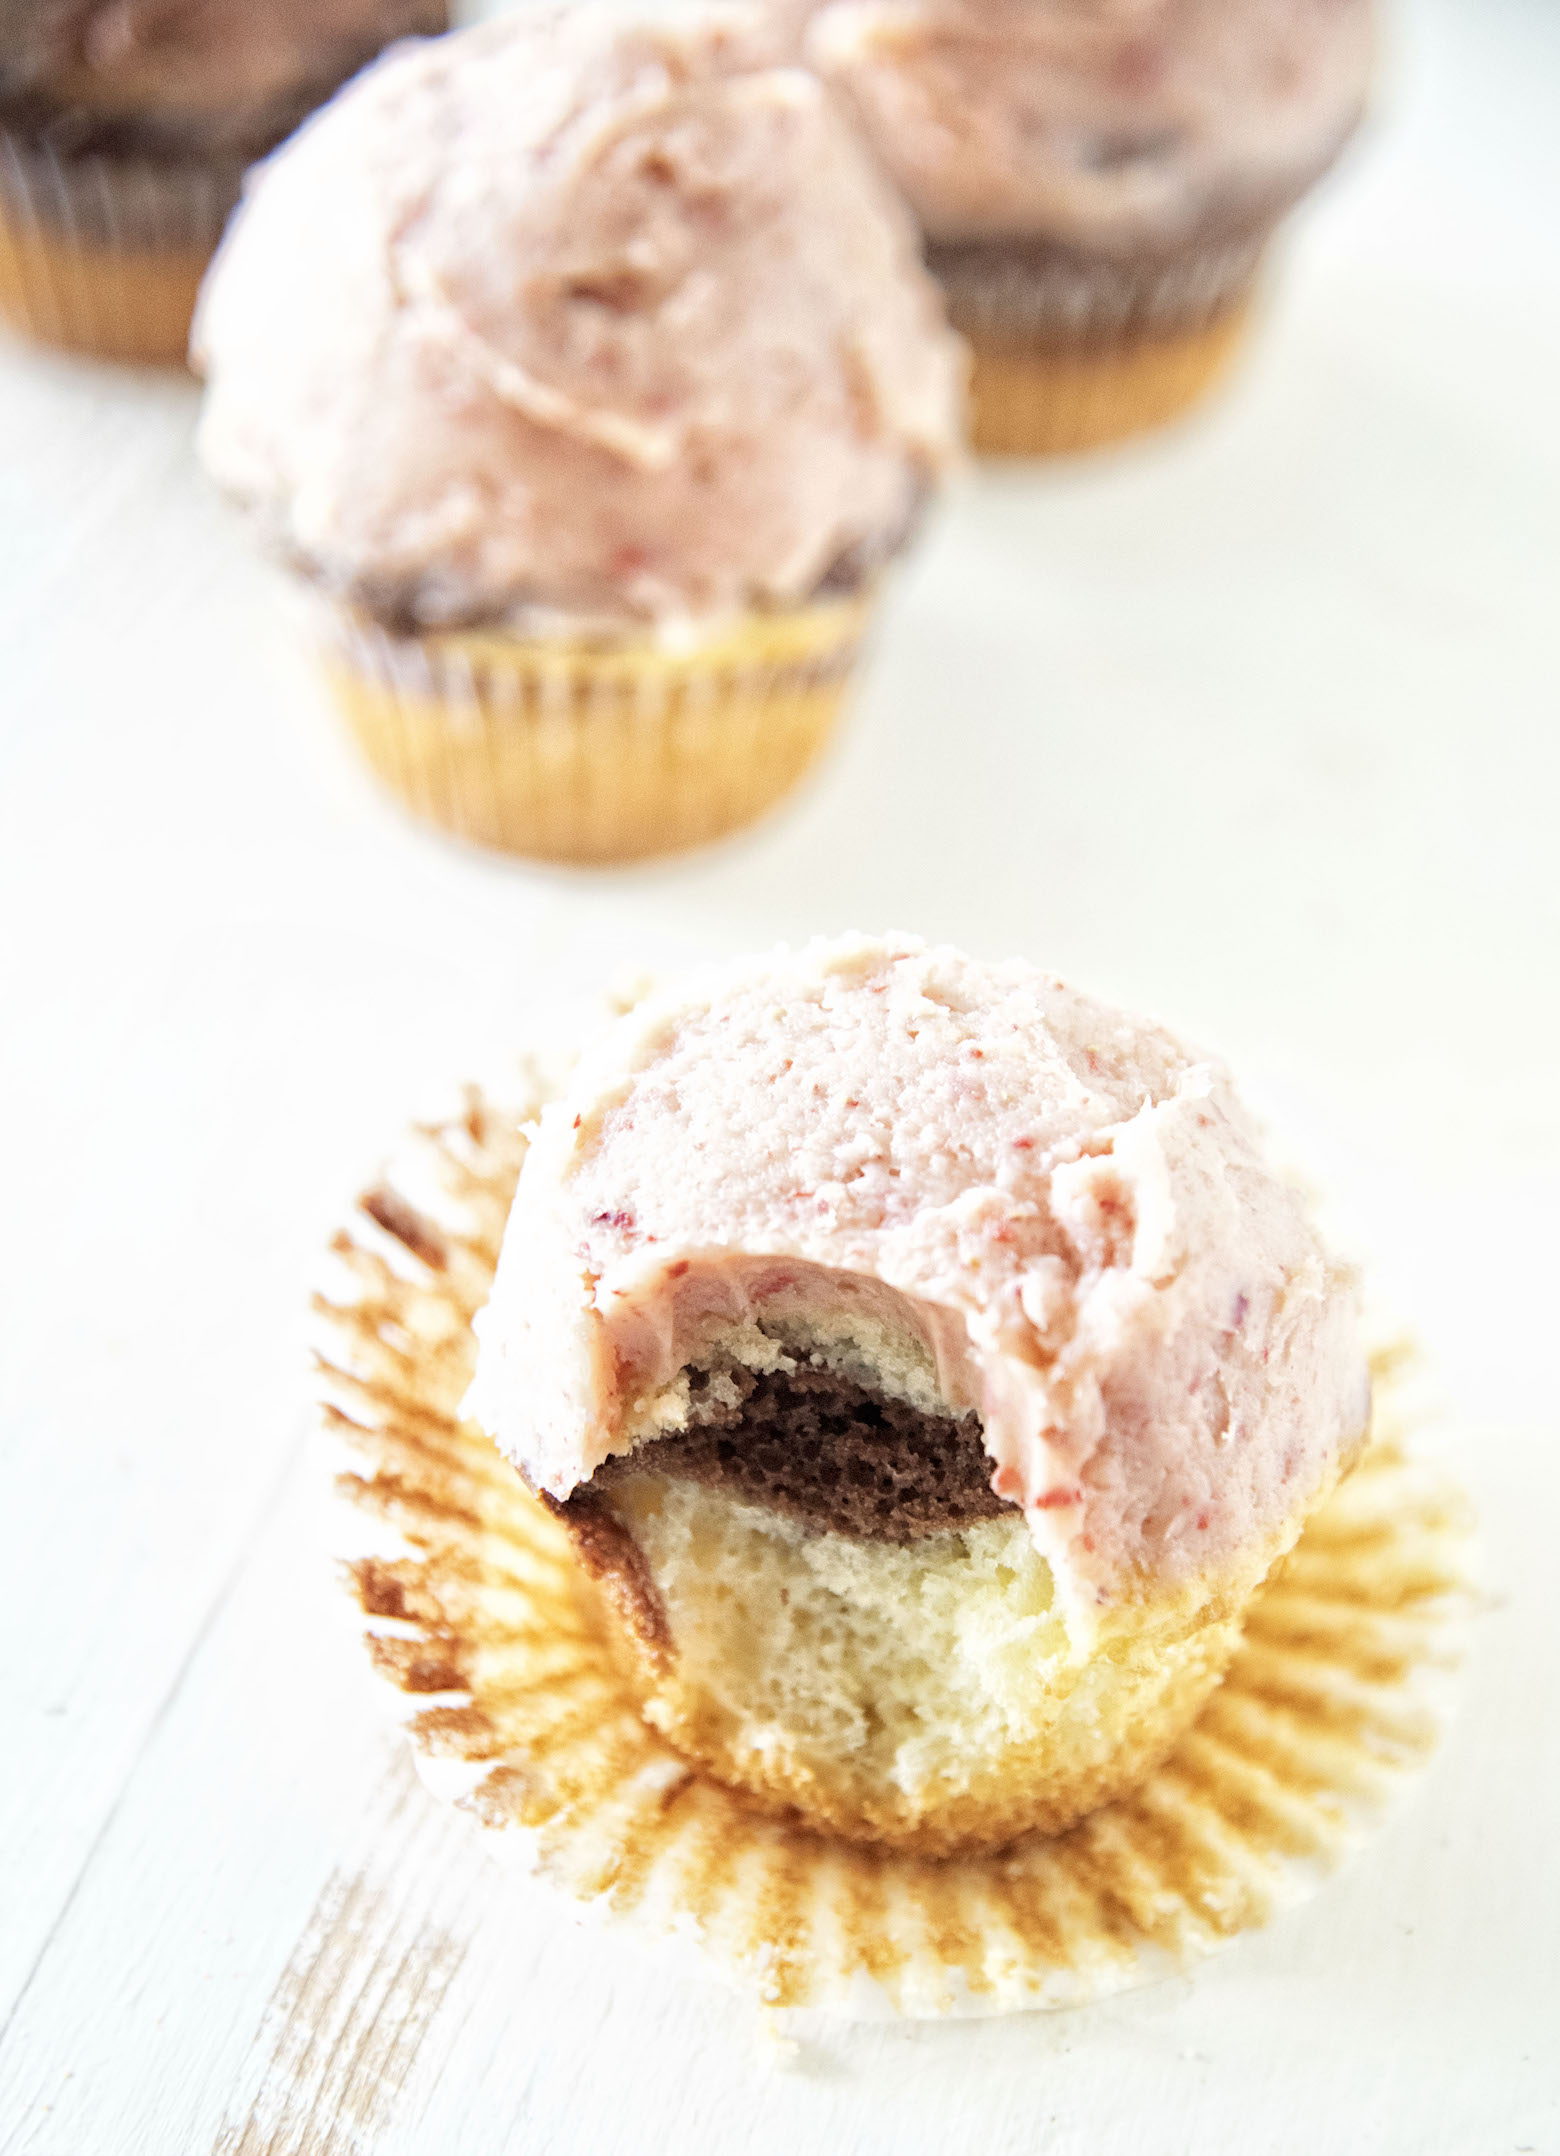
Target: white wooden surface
<point>1255,728</point>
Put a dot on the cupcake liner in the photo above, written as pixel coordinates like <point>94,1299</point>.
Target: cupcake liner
<point>1038,402</point>
<point>1072,353</point>
<point>103,254</point>
<point>499,1657</point>
<point>573,750</point>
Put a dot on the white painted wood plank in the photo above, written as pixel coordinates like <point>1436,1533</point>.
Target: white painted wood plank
<point>283,1944</point>
<point>225,971</point>
<point>1306,654</point>
<point>80,444</point>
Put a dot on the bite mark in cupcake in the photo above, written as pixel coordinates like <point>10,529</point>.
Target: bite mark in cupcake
<point>912,1377</point>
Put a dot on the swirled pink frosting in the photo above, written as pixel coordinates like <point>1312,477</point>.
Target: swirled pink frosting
<point>1110,125</point>
<point>1066,1207</point>
<point>581,311</point>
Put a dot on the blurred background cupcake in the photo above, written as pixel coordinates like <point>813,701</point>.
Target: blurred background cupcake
<point>1097,180</point>
<point>125,129</point>
<point>585,366</point>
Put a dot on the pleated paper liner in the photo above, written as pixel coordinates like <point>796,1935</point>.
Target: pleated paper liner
<point>1045,400</point>
<point>479,1619</point>
<point>1070,354</point>
<point>105,255</point>
<point>567,750</point>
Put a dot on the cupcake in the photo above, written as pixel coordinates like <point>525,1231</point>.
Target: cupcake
<point>125,127</point>
<point>929,1369</point>
<point>592,411</point>
<point>1097,180</point>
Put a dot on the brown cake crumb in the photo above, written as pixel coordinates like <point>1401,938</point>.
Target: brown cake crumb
<point>828,1453</point>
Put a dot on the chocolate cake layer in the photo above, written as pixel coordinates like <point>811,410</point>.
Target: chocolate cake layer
<point>829,1454</point>
<point>1028,290</point>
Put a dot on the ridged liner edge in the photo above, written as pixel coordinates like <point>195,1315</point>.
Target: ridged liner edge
<point>478,1619</point>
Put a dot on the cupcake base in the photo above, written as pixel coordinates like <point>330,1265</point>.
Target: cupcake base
<point>105,256</point>
<point>956,1748</point>
<point>492,1638</point>
<point>125,304</point>
<point>1043,400</point>
<point>574,751</point>
<point>1072,352</point>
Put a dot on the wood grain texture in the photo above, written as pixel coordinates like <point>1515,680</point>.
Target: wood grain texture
<point>1253,728</point>
<point>358,1996</point>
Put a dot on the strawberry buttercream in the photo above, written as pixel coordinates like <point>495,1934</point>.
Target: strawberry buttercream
<point>970,1184</point>
<point>580,312</point>
<point>180,76</point>
<point>1114,126</point>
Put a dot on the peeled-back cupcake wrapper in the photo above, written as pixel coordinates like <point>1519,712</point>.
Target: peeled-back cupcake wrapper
<point>576,751</point>
<point>478,1617</point>
<point>106,254</point>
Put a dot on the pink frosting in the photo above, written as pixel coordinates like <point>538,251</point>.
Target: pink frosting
<point>580,311</point>
<point>234,73</point>
<point>1110,125</point>
<point>1065,1205</point>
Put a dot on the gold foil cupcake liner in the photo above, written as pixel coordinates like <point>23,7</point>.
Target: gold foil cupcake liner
<point>485,1629</point>
<point>105,255</point>
<point>1040,400</point>
<point>1071,354</point>
<point>578,751</point>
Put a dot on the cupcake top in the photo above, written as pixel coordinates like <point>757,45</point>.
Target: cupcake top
<point>1113,126</point>
<point>968,1186</point>
<point>225,78</point>
<point>579,313</point>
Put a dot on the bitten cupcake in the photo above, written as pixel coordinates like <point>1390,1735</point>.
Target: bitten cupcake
<point>125,127</point>
<point>929,1368</point>
<point>585,366</point>
<point>1097,180</point>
